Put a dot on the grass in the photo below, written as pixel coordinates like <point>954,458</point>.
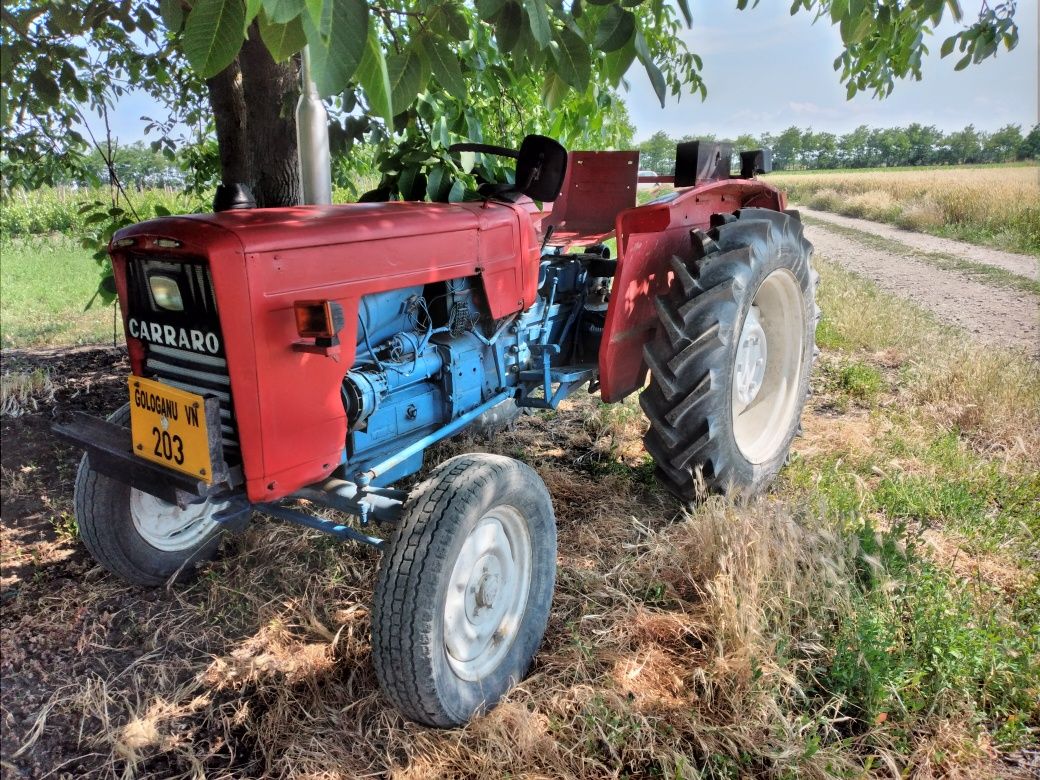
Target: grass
<point>981,272</point>
<point>878,614</point>
<point>995,206</point>
<point>45,284</point>
<point>57,209</point>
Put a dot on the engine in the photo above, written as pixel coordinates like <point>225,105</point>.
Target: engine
<point>428,355</point>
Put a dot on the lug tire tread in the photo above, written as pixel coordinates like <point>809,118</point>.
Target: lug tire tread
<point>698,315</point>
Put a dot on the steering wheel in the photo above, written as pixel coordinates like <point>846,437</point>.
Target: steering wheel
<point>501,151</point>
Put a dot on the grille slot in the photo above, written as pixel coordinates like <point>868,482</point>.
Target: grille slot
<point>197,374</point>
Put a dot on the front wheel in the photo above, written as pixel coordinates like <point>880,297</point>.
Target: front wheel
<point>463,593</point>
<point>135,535</point>
<point>730,364</point>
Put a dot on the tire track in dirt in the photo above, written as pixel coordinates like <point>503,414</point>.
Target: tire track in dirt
<point>1023,265</point>
<point>992,314</point>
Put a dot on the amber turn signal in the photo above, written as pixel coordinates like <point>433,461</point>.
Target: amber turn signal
<point>318,319</point>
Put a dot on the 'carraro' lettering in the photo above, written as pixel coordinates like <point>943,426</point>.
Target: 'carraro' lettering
<point>195,340</point>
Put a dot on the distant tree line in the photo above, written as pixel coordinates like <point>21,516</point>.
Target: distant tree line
<point>866,147</point>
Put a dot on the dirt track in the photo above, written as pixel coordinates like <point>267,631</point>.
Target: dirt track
<point>991,312</point>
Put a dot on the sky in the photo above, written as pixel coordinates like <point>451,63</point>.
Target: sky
<point>767,70</point>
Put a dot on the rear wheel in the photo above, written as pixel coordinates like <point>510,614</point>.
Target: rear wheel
<point>463,594</point>
<point>137,536</point>
<point>730,364</point>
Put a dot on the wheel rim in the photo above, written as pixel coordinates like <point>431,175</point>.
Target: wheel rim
<point>166,526</point>
<point>767,370</point>
<point>487,593</point>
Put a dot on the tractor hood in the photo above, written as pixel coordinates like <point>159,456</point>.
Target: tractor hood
<point>267,230</point>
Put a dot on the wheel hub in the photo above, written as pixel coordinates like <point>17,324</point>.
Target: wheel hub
<point>487,593</point>
<point>767,367</point>
<point>752,353</point>
<point>166,526</point>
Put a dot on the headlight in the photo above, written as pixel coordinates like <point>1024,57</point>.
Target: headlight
<point>166,293</point>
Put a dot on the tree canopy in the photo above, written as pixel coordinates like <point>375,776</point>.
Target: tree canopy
<point>409,75</point>
<point>866,147</point>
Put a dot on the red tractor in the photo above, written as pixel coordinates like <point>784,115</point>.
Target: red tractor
<point>316,352</point>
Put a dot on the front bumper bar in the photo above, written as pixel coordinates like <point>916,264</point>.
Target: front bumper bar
<point>110,451</point>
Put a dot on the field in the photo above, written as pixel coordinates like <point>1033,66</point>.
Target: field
<point>877,614</point>
<point>993,205</point>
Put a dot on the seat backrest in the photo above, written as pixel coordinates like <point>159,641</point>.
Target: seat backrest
<point>598,186</point>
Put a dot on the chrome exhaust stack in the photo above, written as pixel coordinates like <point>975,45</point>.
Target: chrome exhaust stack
<point>312,139</point>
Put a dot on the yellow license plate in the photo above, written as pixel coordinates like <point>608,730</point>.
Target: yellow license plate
<point>168,426</point>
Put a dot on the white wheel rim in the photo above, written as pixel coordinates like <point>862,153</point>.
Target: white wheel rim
<point>767,370</point>
<point>487,593</point>
<point>166,526</point>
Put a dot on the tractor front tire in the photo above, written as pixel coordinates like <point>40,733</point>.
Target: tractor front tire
<point>463,593</point>
<point>136,536</point>
<point>730,362</point>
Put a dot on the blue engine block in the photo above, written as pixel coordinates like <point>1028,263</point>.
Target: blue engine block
<point>430,361</point>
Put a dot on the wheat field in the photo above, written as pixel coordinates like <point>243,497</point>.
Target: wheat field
<point>997,206</point>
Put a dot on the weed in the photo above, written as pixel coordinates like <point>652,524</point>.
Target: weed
<point>65,526</point>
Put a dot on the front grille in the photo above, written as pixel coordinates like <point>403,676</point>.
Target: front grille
<point>187,369</point>
<point>202,374</point>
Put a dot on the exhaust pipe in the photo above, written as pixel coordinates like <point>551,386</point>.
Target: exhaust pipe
<point>312,140</point>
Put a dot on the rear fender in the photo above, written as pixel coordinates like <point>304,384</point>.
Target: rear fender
<point>648,237</point>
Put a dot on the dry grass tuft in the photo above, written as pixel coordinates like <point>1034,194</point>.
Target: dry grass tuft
<point>22,392</point>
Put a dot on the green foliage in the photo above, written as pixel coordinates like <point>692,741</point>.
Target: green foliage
<point>540,55</point>
<point>918,643</point>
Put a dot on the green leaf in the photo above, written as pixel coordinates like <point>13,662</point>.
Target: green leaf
<point>313,8</point>
<point>445,66</point>
<point>252,10</point>
<point>656,79</point>
<point>406,75</point>
<point>338,44</point>
<point>684,7</point>
<point>617,63</point>
<point>411,184</point>
<point>947,46</point>
<point>172,13</point>
<point>438,184</point>
<point>488,9</point>
<point>456,22</point>
<point>964,62</point>
<point>538,16</point>
<point>554,89</point>
<point>282,40</point>
<point>161,211</point>
<point>510,23</point>
<point>213,35</point>
<point>281,11</point>
<point>457,191</point>
<point>615,29</point>
<point>572,59</point>
<point>373,76</point>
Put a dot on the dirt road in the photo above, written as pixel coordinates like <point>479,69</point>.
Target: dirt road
<point>988,293</point>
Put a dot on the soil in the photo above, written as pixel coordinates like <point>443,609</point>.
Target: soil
<point>991,313</point>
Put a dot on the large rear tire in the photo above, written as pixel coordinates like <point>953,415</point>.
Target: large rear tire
<point>136,536</point>
<point>463,594</point>
<point>730,363</point>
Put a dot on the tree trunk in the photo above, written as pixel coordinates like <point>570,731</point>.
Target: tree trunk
<point>229,116</point>
<point>253,102</point>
